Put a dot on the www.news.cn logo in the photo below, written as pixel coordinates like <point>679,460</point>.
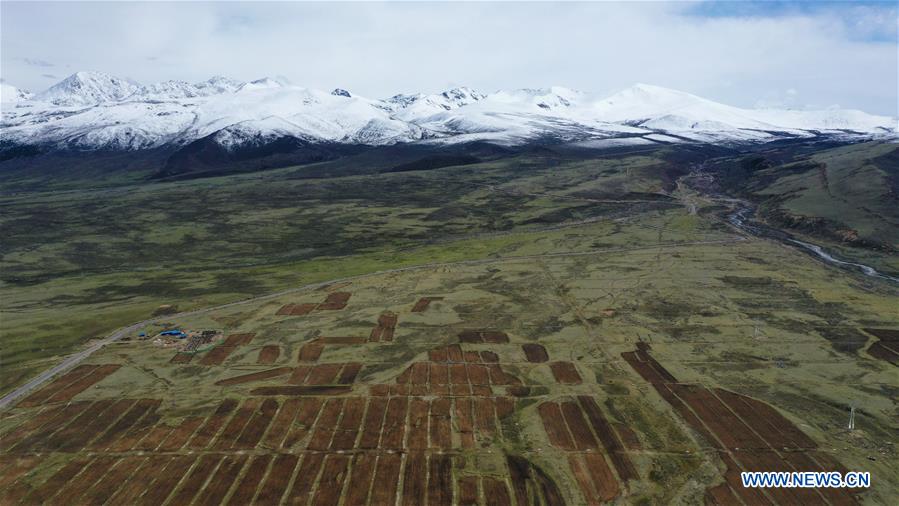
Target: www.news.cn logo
<point>809,479</point>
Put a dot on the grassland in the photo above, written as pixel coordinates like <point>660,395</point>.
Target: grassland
<point>78,263</point>
<point>591,259</point>
<point>718,310</point>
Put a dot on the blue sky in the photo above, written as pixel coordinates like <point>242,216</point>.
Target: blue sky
<point>784,54</point>
<point>862,20</point>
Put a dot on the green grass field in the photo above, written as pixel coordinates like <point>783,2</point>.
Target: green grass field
<point>586,256</point>
<point>78,264</point>
<point>719,310</point>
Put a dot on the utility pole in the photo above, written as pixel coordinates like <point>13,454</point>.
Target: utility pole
<point>757,332</point>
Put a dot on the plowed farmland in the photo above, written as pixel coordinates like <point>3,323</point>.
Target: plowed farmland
<point>517,385</point>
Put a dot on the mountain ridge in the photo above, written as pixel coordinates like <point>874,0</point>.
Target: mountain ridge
<point>94,110</point>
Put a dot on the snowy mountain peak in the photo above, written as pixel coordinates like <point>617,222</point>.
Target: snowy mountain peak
<point>645,101</point>
<point>218,84</point>
<point>9,94</point>
<point>266,83</point>
<point>543,100</point>
<point>92,110</point>
<point>169,90</point>
<point>652,89</point>
<point>558,96</point>
<point>552,90</point>
<point>651,93</point>
<point>403,100</point>
<point>89,88</point>
<point>420,105</point>
<point>462,95</point>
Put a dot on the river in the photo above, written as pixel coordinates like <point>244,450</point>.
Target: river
<point>741,219</point>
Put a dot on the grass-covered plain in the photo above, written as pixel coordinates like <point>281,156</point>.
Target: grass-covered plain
<point>77,264</point>
<point>585,255</point>
<point>719,310</point>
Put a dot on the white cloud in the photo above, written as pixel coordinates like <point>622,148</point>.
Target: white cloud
<point>378,49</point>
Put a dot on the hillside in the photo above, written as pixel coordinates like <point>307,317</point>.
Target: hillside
<point>847,196</point>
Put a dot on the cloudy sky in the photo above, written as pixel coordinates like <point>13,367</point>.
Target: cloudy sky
<point>771,53</point>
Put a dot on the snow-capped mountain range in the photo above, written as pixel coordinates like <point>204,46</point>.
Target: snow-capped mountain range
<point>93,110</point>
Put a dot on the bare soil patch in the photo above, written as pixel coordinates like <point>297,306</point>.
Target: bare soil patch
<point>268,354</point>
<point>565,373</point>
<point>535,353</point>
<point>423,304</point>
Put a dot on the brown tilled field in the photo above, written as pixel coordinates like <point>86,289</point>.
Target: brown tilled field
<point>70,384</point>
<point>887,345</point>
<point>315,436</point>
<point>268,355</point>
<point>334,301</point>
<point>385,328</point>
<point>748,434</point>
<point>423,304</point>
<point>403,441</point>
<point>384,398</point>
